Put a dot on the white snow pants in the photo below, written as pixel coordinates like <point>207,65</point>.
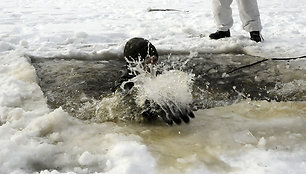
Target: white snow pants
<point>248,11</point>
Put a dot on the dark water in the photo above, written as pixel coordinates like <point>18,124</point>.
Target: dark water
<point>70,82</point>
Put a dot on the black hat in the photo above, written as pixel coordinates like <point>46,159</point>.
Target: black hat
<point>138,49</point>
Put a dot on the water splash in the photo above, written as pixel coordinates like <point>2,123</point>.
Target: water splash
<point>171,87</point>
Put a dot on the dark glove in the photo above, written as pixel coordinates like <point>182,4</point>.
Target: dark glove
<point>168,112</point>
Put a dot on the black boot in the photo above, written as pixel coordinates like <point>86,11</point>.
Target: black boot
<point>220,34</point>
<point>255,36</point>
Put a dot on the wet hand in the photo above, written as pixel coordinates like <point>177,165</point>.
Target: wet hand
<point>168,112</point>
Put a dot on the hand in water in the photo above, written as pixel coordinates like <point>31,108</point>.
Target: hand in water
<point>168,112</point>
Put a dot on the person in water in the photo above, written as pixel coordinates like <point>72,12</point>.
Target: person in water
<point>141,52</point>
<point>137,51</point>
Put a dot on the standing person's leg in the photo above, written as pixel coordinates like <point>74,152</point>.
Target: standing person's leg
<point>250,17</point>
<point>223,14</point>
<point>223,18</point>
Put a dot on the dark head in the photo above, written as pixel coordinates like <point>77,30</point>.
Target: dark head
<point>140,50</point>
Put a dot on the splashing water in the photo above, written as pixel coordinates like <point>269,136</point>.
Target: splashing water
<point>173,85</point>
<point>170,87</point>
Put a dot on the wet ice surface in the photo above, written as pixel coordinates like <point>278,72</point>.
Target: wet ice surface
<point>249,136</point>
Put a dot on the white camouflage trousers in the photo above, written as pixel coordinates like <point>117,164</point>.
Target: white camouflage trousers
<point>248,11</point>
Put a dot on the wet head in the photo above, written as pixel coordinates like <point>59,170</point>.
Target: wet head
<point>139,51</point>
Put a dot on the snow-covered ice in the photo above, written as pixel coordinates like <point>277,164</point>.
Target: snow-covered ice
<point>249,137</point>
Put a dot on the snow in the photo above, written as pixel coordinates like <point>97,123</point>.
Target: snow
<point>249,137</point>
